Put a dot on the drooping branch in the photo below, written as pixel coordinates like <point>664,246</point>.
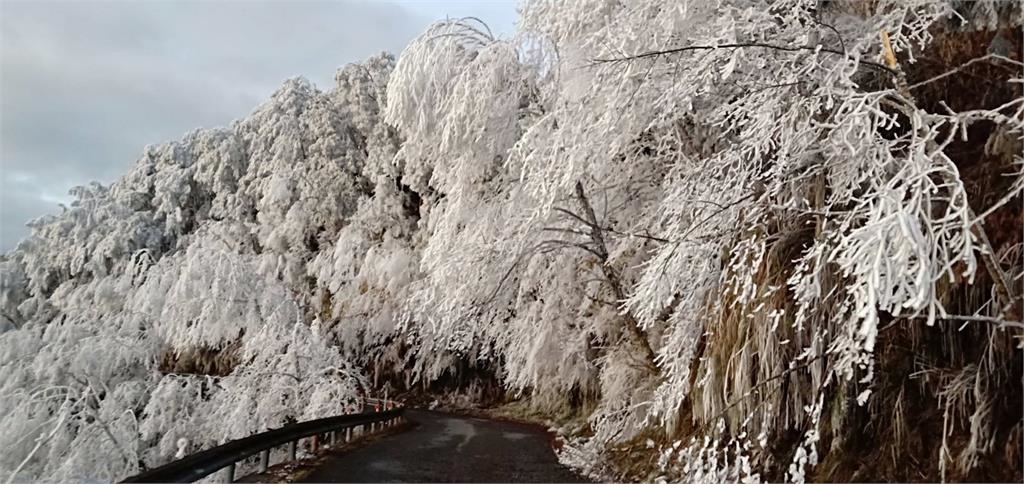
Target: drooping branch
<point>740,45</point>
<point>961,67</point>
<point>907,104</point>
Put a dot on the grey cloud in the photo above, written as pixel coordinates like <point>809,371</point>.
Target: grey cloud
<point>85,86</point>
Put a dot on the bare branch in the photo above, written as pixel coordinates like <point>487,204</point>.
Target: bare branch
<point>630,325</point>
<point>984,58</point>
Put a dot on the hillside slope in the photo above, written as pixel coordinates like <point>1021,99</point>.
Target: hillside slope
<point>777,240</point>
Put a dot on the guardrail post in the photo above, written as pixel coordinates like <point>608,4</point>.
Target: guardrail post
<point>229,472</point>
<point>348,435</point>
<point>291,449</point>
<point>334,438</point>
<point>264,460</point>
<point>314,443</point>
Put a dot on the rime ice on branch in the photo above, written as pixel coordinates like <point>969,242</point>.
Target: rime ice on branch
<point>749,228</point>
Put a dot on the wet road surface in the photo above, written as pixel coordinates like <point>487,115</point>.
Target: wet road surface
<point>447,448</point>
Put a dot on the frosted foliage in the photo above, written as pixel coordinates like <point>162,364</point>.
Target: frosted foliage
<point>710,173</point>
<point>456,94</point>
<point>145,314</point>
<point>13,283</point>
<point>85,400</point>
<point>686,215</point>
<point>209,296</point>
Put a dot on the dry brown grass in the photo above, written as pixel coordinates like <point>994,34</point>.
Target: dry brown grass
<point>200,361</point>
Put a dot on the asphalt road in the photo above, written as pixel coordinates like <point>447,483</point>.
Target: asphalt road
<point>446,448</point>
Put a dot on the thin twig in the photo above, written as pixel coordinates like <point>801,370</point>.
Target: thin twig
<point>983,58</point>
<point>842,44</point>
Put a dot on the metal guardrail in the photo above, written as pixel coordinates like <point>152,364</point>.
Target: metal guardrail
<point>201,464</point>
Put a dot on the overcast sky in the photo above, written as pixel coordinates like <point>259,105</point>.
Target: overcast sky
<point>85,85</point>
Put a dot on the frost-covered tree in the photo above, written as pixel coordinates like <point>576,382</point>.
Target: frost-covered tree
<point>754,191</point>
<point>139,322</point>
<point>760,232</point>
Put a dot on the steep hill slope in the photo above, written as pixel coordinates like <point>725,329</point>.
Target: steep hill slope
<point>781,240</point>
